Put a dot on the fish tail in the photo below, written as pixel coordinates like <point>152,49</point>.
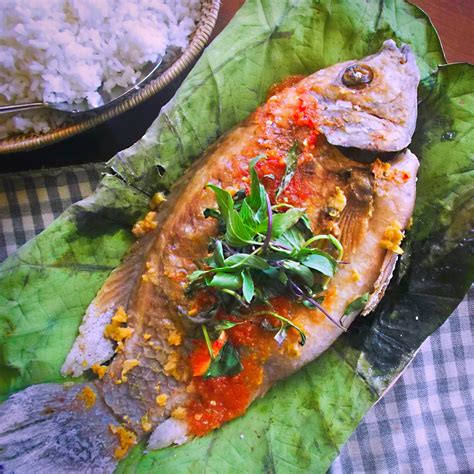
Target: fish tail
<point>57,428</point>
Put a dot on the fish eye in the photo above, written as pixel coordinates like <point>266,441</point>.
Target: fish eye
<point>357,76</point>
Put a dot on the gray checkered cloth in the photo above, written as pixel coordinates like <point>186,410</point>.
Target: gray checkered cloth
<point>425,423</point>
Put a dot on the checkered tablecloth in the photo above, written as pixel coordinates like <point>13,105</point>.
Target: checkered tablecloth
<point>425,423</point>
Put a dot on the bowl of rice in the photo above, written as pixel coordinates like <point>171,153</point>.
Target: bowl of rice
<point>64,51</point>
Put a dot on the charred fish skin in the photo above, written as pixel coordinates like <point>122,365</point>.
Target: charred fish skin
<point>147,387</point>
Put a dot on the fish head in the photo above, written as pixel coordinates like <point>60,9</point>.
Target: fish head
<point>370,103</point>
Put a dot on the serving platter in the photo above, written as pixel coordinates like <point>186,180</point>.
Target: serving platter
<point>200,37</point>
<point>302,422</point>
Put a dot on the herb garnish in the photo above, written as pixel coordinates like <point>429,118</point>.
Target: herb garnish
<point>263,251</point>
<point>208,340</point>
<point>285,324</point>
<point>357,305</point>
<point>291,162</point>
<point>224,359</point>
<point>227,362</point>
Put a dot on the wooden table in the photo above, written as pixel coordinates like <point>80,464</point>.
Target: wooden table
<point>454,20</point>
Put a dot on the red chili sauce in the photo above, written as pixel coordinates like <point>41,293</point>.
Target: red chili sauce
<point>280,123</point>
<point>221,399</point>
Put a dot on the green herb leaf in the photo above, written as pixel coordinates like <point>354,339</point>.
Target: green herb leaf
<point>197,274</point>
<point>257,191</point>
<point>247,215</point>
<point>229,281</point>
<point>357,305</point>
<point>299,270</point>
<point>285,221</point>
<point>320,261</point>
<point>306,223</point>
<point>224,201</point>
<point>224,324</point>
<point>282,221</point>
<point>248,286</point>
<point>291,162</point>
<point>292,238</point>
<point>282,277</point>
<point>218,254</point>
<point>227,362</point>
<point>237,233</point>
<point>238,260</point>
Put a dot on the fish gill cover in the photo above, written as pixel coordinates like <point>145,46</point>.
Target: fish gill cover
<point>302,422</point>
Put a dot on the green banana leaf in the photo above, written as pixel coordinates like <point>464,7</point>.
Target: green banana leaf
<point>301,423</point>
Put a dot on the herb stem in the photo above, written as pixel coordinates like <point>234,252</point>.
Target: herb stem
<point>236,296</point>
<point>300,293</point>
<point>268,237</point>
<point>320,307</point>
<point>295,289</point>
<point>282,204</point>
<point>276,245</point>
<point>284,321</point>
<point>231,267</point>
<point>331,239</point>
<point>228,248</point>
<point>208,340</point>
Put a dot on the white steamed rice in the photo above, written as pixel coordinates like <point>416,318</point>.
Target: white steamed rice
<point>64,50</point>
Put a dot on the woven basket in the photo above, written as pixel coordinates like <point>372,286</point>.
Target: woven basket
<point>27,142</point>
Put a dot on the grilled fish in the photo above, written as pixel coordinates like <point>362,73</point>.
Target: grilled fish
<point>141,321</point>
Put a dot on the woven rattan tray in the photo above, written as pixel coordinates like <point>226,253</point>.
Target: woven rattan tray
<point>207,20</point>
